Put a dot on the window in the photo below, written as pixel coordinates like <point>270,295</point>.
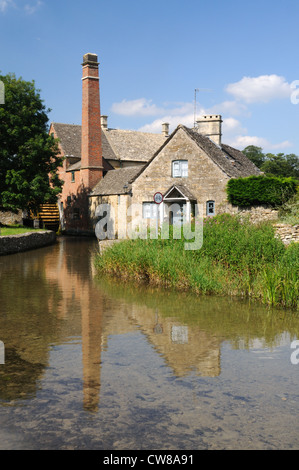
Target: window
<point>210,208</point>
<point>180,168</point>
<point>149,210</point>
<point>73,177</point>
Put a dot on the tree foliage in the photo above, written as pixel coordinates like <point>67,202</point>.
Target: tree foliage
<point>273,165</point>
<point>28,154</point>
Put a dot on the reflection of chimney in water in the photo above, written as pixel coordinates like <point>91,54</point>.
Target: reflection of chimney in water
<point>91,352</point>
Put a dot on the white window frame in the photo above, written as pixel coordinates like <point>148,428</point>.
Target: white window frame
<point>149,210</point>
<point>180,168</point>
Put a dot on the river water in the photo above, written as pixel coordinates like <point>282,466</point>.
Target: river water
<point>92,363</point>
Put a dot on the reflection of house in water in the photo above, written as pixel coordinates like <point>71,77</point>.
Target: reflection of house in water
<point>185,348</point>
<point>62,302</point>
<point>99,315</point>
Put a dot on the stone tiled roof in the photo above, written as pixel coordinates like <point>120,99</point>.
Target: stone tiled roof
<point>115,180</point>
<point>232,161</point>
<point>117,144</point>
<point>241,162</point>
<point>74,166</point>
<point>183,190</point>
<point>70,138</point>
<point>107,149</point>
<point>133,145</point>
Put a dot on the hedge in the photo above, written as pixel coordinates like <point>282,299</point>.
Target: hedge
<point>259,190</point>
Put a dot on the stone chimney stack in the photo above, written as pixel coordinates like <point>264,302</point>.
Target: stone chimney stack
<point>210,126</point>
<point>91,142</point>
<point>165,129</point>
<point>104,122</point>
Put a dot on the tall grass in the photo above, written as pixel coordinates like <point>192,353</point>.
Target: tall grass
<point>289,212</point>
<point>236,258</point>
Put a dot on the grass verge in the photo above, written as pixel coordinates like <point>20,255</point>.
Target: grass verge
<point>15,230</point>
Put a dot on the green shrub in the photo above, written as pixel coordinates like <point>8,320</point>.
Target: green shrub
<point>259,190</point>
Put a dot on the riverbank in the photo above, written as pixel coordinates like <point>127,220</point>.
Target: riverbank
<point>26,241</point>
<point>237,258</point>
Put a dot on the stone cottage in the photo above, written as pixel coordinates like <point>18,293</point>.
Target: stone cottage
<point>189,169</point>
<point>124,168</point>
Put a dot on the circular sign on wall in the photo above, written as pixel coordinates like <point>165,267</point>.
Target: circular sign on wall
<point>158,198</point>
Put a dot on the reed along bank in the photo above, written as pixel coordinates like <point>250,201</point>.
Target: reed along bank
<point>237,258</point>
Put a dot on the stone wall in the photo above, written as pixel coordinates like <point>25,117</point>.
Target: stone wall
<point>26,241</point>
<point>287,233</point>
<point>10,218</point>
<point>259,213</point>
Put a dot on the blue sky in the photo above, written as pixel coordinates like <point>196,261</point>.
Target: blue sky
<point>242,57</point>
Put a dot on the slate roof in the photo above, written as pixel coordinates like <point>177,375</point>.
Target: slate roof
<point>115,180</point>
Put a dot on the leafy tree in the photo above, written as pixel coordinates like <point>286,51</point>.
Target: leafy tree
<point>255,154</point>
<point>28,154</point>
<point>281,165</point>
<point>273,165</point>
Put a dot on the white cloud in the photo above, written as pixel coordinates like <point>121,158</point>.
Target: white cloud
<point>145,107</point>
<point>233,108</point>
<point>242,141</point>
<point>232,126</point>
<point>173,121</point>
<point>179,113</point>
<point>260,89</point>
<point>234,133</point>
<point>138,107</point>
<point>32,8</point>
<point>29,7</point>
<point>4,4</point>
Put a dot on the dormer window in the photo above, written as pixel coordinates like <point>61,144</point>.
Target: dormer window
<point>180,168</point>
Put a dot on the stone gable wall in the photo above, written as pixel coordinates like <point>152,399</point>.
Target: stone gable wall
<point>206,181</point>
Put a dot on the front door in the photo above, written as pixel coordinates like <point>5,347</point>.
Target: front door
<point>177,214</point>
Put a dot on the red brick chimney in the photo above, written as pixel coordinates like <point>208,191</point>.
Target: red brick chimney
<point>91,142</point>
